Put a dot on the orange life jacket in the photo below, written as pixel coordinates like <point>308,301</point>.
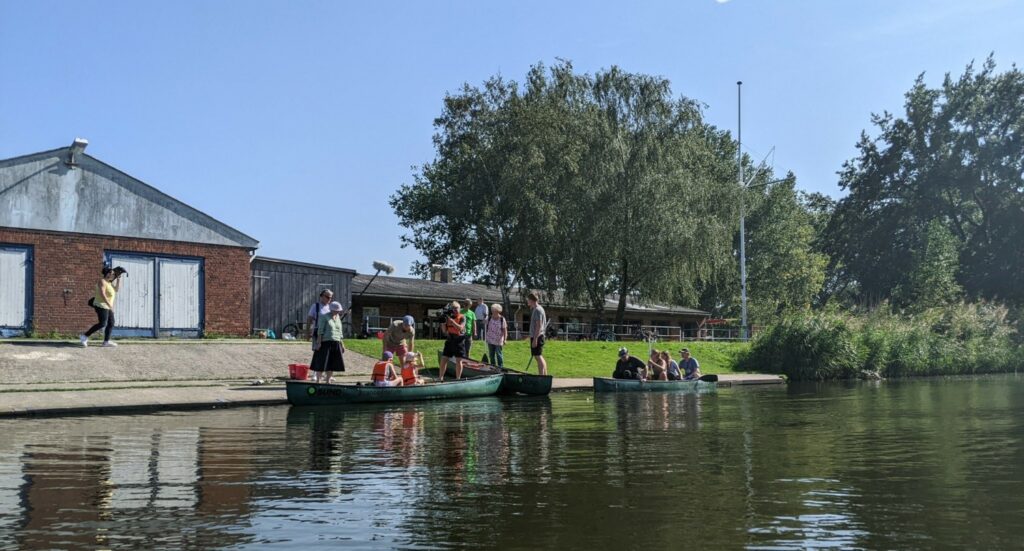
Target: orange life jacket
<point>380,371</point>
<point>409,374</point>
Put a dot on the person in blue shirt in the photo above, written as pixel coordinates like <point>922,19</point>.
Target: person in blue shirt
<point>689,365</point>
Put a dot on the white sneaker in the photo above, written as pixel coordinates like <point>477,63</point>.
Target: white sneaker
<point>85,340</point>
<point>109,344</point>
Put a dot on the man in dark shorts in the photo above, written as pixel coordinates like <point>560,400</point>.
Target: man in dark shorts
<point>538,323</point>
<point>454,343</point>
<point>629,367</point>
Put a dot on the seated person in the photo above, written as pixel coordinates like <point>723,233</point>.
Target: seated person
<point>629,367</point>
<point>672,368</point>
<point>384,372</point>
<point>656,367</point>
<point>689,365</point>
<point>410,373</point>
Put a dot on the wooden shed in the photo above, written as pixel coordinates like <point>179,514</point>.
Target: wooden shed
<point>283,291</point>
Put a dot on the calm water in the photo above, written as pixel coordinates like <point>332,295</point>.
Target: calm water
<point>898,465</point>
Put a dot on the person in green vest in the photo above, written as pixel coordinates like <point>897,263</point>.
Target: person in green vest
<point>470,316</point>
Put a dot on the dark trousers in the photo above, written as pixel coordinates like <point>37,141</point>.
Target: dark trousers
<point>106,323</point>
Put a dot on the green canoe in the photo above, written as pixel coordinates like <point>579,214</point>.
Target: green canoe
<point>602,384</point>
<point>301,393</point>
<point>513,382</point>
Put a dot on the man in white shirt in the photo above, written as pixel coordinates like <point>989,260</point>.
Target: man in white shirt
<point>481,312</point>
<point>319,308</point>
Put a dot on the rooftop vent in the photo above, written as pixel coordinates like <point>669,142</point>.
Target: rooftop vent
<point>77,148</point>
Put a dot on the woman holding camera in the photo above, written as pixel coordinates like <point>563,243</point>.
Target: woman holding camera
<point>103,303</point>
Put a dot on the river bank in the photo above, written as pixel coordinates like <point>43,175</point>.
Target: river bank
<point>60,378</point>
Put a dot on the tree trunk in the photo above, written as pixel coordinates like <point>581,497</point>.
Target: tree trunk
<point>620,312</point>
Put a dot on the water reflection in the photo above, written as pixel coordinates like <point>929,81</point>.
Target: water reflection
<point>899,465</point>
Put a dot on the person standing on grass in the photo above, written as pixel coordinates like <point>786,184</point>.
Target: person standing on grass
<point>538,323</point>
<point>454,342</point>
<point>400,337</point>
<point>470,316</point>
<point>495,335</point>
<point>689,365</point>
<point>329,346</point>
<point>481,319</point>
<point>103,304</point>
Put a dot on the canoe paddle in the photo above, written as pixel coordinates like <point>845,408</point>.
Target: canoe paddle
<point>708,378</point>
<point>528,364</point>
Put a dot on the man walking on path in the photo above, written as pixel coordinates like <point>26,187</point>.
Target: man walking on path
<point>538,322</point>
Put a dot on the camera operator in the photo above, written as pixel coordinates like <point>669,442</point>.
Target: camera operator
<point>455,342</point>
<point>103,303</point>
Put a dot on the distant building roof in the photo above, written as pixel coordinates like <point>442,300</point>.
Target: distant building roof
<point>41,191</point>
<point>409,288</point>
<point>302,264</point>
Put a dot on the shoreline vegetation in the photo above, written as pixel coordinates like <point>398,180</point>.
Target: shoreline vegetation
<point>958,339</point>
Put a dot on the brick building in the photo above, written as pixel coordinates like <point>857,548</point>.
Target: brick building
<point>65,214</point>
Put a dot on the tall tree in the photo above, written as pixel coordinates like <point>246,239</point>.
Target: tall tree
<point>957,156</point>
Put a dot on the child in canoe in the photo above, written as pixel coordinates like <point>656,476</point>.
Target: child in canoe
<point>410,371</point>
<point>384,372</point>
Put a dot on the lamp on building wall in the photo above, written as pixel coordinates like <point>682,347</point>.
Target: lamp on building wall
<point>77,148</point>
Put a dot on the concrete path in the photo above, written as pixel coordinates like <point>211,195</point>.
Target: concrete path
<point>66,362</point>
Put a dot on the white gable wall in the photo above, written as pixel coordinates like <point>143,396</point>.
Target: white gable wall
<point>41,192</point>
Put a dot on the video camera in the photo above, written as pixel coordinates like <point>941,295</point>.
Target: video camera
<point>446,313</point>
<point>119,271</point>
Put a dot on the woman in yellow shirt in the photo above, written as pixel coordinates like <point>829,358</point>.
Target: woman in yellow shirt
<point>103,303</point>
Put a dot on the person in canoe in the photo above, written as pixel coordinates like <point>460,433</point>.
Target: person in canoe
<point>400,337</point>
<point>629,367</point>
<point>329,348</point>
<point>410,370</point>
<point>673,368</point>
<point>384,372</point>
<point>656,368</point>
<point>689,365</point>
<point>454,342</point>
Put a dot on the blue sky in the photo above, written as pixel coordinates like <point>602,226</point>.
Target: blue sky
<point>293,121</point>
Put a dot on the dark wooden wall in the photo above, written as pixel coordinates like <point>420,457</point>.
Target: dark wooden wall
<point>282,293</point>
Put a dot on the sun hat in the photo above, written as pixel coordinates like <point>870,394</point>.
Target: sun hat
<point>336,307</point>
<point>408,320</point>
<point>623,352</point>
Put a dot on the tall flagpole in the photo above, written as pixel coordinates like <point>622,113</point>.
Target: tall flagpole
<point>743,237</point>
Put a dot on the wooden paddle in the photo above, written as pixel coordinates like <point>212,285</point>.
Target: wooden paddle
<point>708,378</point>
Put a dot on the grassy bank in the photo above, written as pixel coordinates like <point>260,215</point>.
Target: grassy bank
<point>955,340</point>
<point>578,359</point>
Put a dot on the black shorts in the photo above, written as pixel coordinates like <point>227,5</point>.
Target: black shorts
<point>454,347</point>
<point>539,349</point>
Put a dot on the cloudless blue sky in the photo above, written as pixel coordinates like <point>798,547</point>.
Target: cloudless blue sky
<point>293,121</point>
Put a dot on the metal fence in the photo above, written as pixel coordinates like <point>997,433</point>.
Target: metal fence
<point>569,331</point>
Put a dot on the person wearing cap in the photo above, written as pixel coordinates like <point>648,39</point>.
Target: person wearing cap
<point>410,370</point>
<point>329,347</point>
<point>400,337</point>
<point>384,372</point>
<point>689,365</point>
<point>629,367</point>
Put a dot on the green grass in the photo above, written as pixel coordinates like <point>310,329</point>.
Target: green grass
<point>578,359</point>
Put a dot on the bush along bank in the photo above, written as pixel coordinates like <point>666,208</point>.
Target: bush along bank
<point>953,340</point>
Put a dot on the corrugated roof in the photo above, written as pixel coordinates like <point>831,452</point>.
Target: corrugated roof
<point>410,288</point>
<point>303,264</point>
